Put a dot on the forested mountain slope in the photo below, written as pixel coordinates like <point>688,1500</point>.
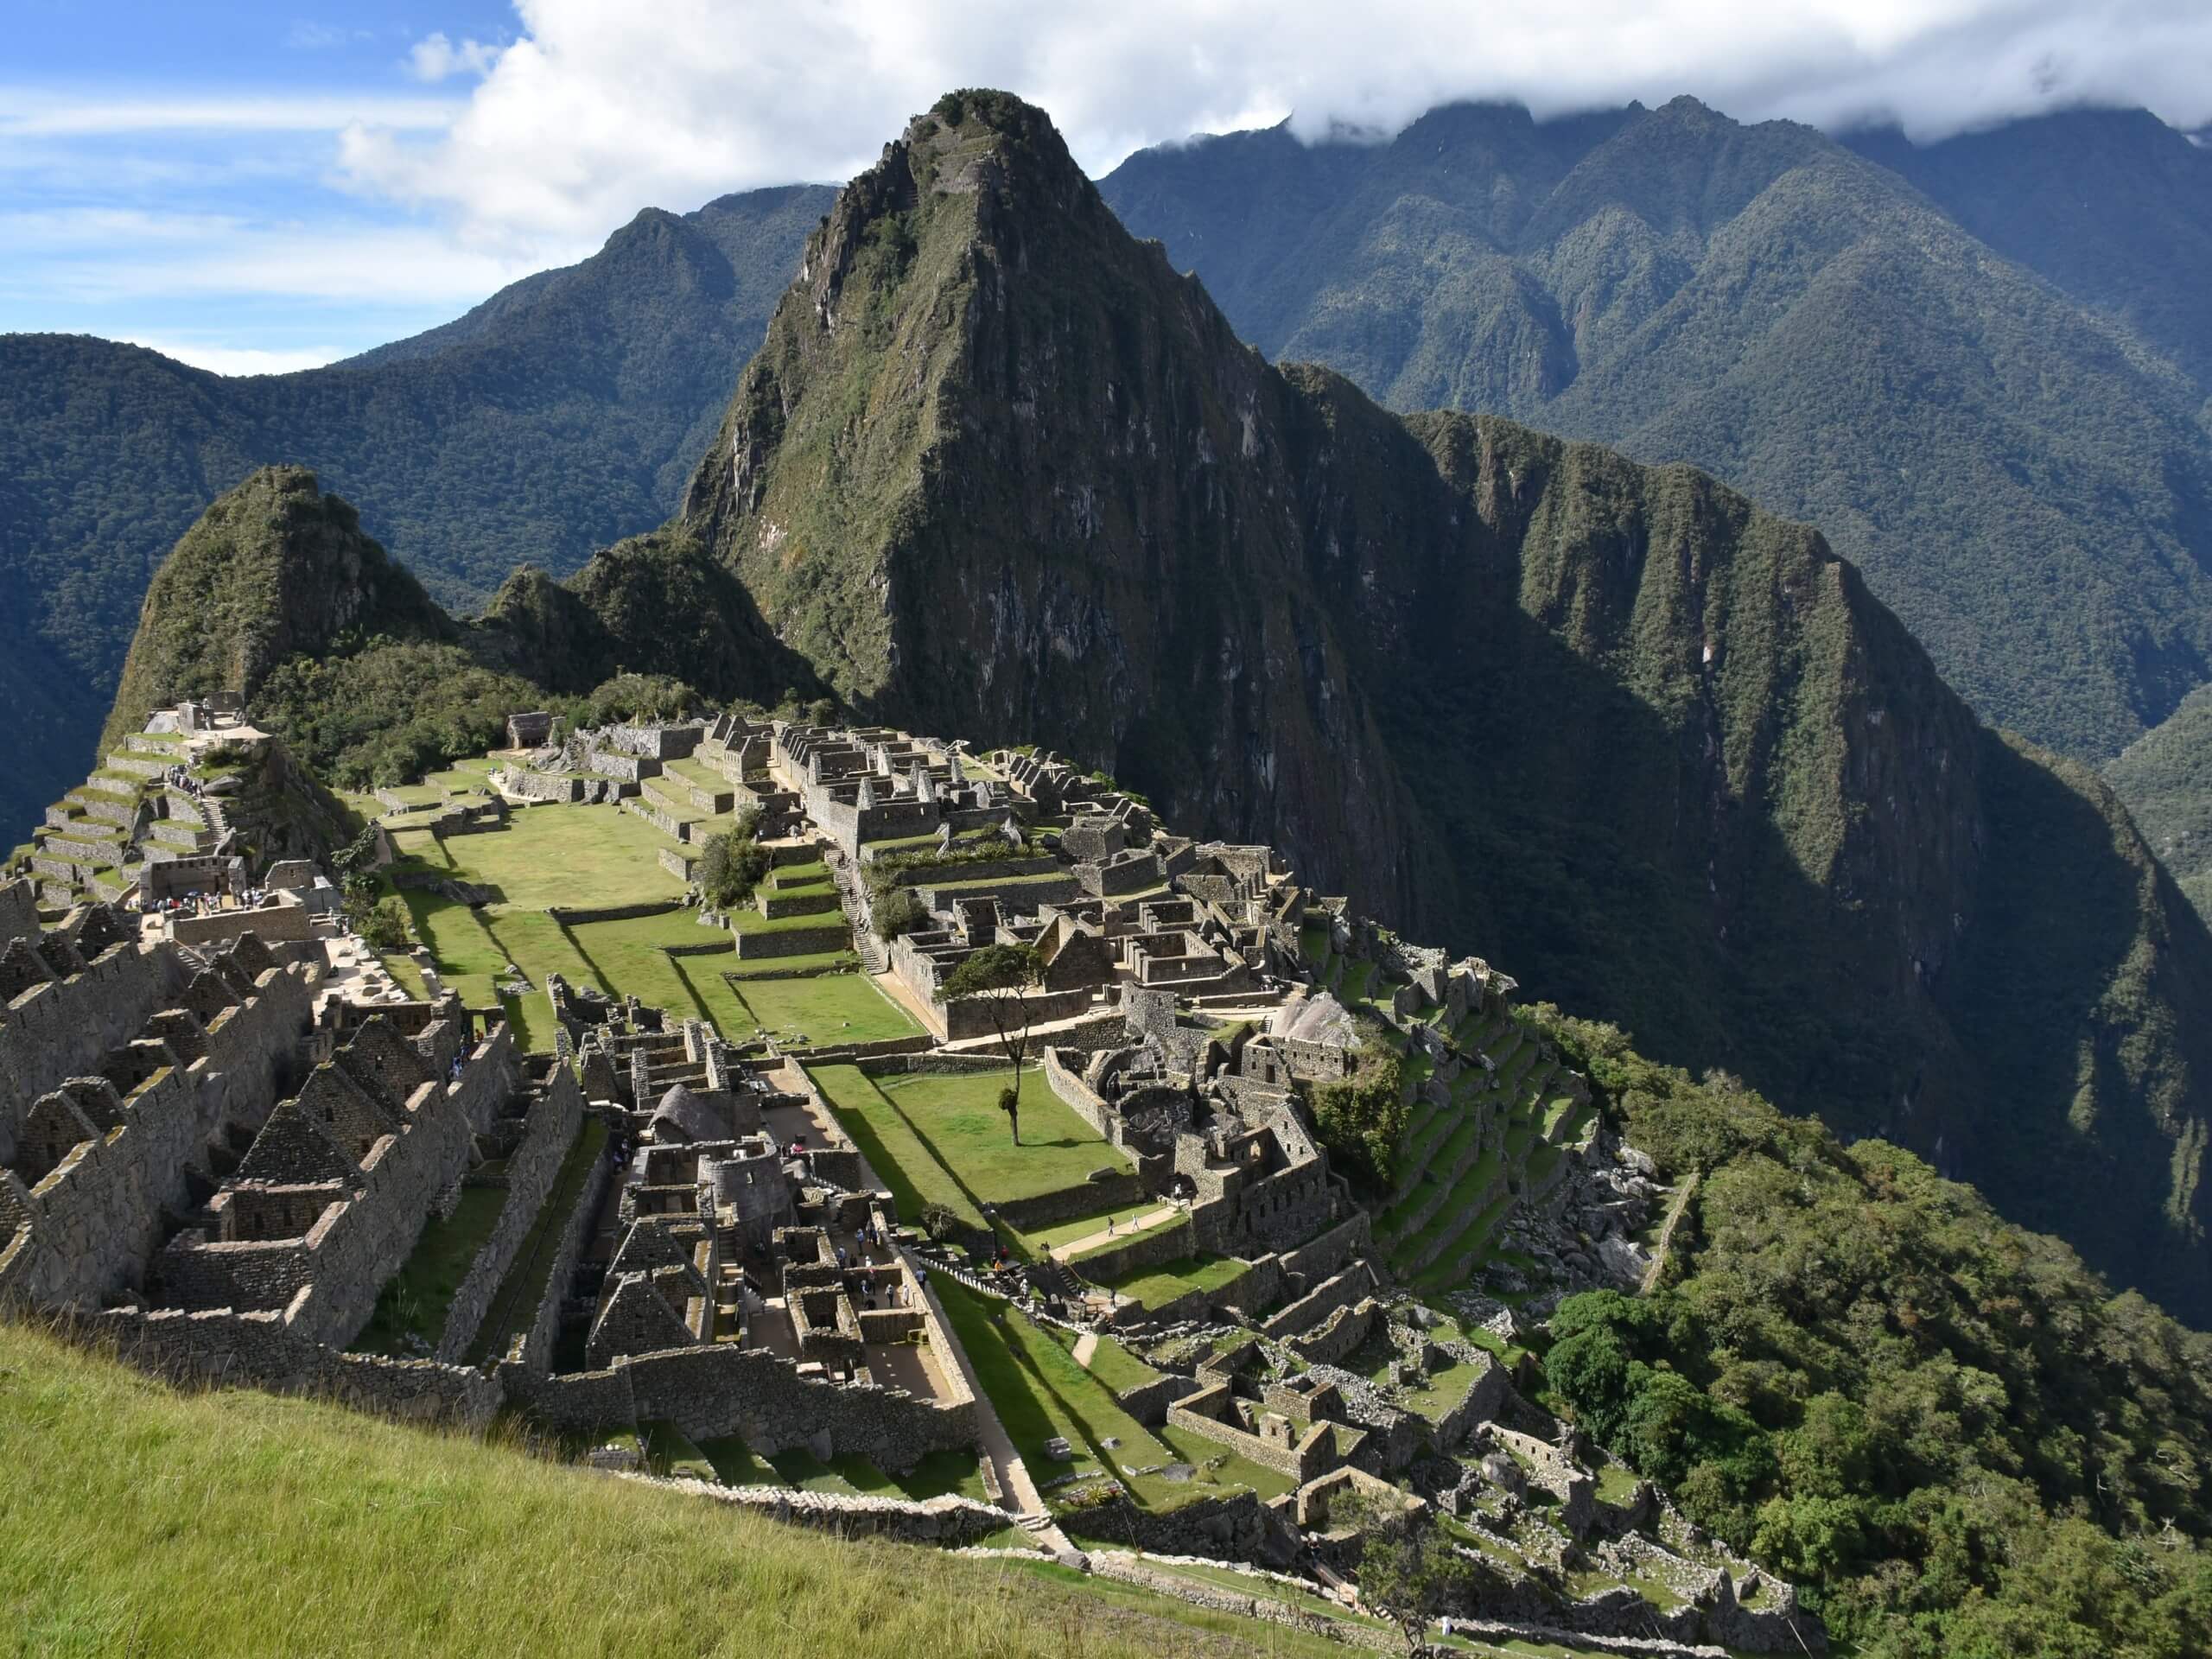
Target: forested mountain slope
<point>2023,476</point>
<point>561,413</point>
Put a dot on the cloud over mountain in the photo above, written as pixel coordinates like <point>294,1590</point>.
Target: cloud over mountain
<point>599,105</point>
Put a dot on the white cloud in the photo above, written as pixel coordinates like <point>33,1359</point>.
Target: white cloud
<point>435,58</point>
<point>100,256</point>
<point>38,112</point>
<point>600,107</point>
<point>232,359</point>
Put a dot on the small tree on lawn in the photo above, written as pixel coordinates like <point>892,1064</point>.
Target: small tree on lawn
<point>1001,975</point>
<point>1408,1571</point>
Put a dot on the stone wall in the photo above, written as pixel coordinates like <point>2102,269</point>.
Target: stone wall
<point>1150,1248</point>
<point>948,1522</point>
<point>1086,1199</point>
<point>65,1028</point>
<point>18,910</point>
<point>549,1131</point>
<point>793,941</point>
<point>1239,1529</point>
<point>564,915</point>
<point>221,1347</point>
<point>270,923</point>
<point>534,1348</point>
<point>708,1392</point>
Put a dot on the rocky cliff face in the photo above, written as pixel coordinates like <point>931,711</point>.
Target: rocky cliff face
<point>999,470</point>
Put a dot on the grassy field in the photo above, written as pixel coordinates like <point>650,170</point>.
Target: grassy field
<point>138,1520</point>
<point>546,855</point>
<point>1039,1391</point>
<point>887,1140</point>
<point>589,857</point>
<point>1154,1286</point>
<point>959,1120</point>
<point>826,1009</point>
<point>414,1303</point>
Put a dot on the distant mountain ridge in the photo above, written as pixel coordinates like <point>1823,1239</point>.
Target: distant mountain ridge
<point>2015,453</point>
<point>564,412</point>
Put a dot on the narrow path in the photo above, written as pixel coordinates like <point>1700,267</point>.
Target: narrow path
<point>1017,1494</point>
<point>1667,1235</point>
<point>1076,1247</point>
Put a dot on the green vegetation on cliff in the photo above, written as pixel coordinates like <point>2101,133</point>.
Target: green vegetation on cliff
<point>1941,1422</point>
<point>2022,475</point>
<point>2165,777</point>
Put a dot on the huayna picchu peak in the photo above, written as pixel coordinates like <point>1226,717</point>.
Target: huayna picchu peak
<point>1106,955</point>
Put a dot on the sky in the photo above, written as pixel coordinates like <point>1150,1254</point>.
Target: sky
<point>259,186</point>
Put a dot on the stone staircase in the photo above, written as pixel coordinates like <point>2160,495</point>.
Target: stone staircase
<point>852,900</point>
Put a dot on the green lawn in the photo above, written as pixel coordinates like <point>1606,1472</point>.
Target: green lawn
<point>1113,1364</point>
<point>1063,1232</point>
<point>827,1010</point>
<point>959,1119</point>
<point>575,855</point>
<point>393,1541</point>
<point>887,1140</point>
<point>415,1300</point>
<point>1155,1286</point>
<point>1039,1391</point>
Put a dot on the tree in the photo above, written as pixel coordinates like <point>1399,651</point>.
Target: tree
<point>731,866</point>
<point>1408,1571</point>
<point>1001,975</point>
<point>897,911</point>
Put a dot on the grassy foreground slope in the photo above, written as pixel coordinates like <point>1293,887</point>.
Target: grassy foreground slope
<point>136,1519</point>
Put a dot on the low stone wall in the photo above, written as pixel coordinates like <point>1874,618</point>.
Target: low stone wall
<point>768,943</point>
<point>1148,1402</point>
<point>708,1392</point>
<point>674,862</point>
<point>1238,1529</point>
<point>948,1521</point>
<point>1342,1291</point>
<point>1341,1333</point>
<point>721,945</point>
<point>548,1133</point>
<point>1087,1198</point>
<point>270,923</point>
<point>221,1347</point>
<point>565,917</point>
<point>967,1017</point>
<point>1327,1254</point>
<point>1150,1248</point>
<point>1020,898</point>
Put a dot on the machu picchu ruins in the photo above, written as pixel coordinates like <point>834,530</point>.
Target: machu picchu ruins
<point>744,1192</point>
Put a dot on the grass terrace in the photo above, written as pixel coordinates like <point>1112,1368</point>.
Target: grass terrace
<point>958,1117</point>
<point>902,1161</point>
<point>1038,1392</point>
<point>514,1305</point>
<point>391,1540</point>
<point>413,1304</point>
<point>827,1010</point>
<point>1156,1286</point>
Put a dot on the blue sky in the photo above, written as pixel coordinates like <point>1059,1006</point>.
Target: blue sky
<point>263,185</point>
<point>169,172</point>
